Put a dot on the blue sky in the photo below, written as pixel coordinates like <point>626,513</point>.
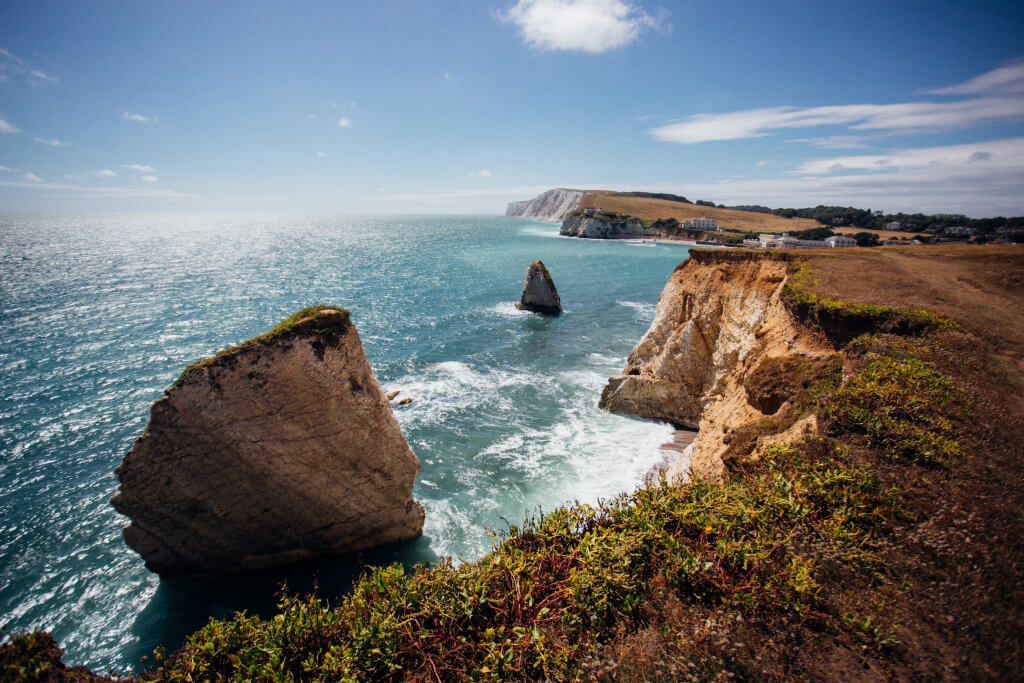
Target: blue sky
<point>460,107</point>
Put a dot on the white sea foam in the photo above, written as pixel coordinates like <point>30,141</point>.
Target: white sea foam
<point>644,310</point>
<point>508,308</point>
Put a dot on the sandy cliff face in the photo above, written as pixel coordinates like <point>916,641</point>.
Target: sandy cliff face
<point>280,449</point>
<point>719,317</point>
<point>552,206</point>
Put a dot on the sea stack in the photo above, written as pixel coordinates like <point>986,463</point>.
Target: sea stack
<point>539,293</point>
<point>277,450</point>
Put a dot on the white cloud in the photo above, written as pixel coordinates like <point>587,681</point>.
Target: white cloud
<point>762,163</point>
<point>141,168</point>
<point>578,25</point>
<point>1001,153</point>
<point>143,192</point>
<point>51,142</point>
<point>128,116</point>
<point>322,155</point>
<point>150,179</point>
<point>836,141</point>
<point>1002,101</point>
<point>482,173</point>
<point>906,117</point>
<point>6,127</point>
<point>1006,79</point>
<point>344,122</point>
<point>105,173</point>
<point>4,168</point>
<point>32,177</point>
<point>18,66</point>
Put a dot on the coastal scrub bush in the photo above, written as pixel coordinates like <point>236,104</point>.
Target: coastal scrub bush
<point>900,405</point>
<point>557,589</point>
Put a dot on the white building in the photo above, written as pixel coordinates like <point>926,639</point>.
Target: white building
<point>895,225</point>
<point>958,230</point>
<point>702,223</point>
<point>841,241</point>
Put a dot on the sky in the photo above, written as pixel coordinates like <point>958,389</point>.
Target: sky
<point>460,107</point>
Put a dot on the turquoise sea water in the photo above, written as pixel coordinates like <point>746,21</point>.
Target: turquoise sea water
<point>98,314</point>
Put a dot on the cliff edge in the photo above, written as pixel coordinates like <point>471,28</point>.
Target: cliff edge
<point>720,317</point>
<point>551,206</point>
<point>277,450</point>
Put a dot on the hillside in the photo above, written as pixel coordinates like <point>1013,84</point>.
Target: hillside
<point>648,208</point>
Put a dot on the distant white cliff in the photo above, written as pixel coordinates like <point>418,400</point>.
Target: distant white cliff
<point>552,206</point>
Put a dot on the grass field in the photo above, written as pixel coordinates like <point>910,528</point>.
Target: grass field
<point>745,221</point>
<point>643,207</point>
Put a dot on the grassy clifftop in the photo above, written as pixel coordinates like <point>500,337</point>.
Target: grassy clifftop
<point>888,546</point>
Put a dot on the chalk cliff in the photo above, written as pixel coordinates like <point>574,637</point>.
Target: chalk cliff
<point>279,449</point>
<point>539,293</point>
<point>719,318</point>
<point>600,226</point>
<point>593,227</point>
<point>551,206</point>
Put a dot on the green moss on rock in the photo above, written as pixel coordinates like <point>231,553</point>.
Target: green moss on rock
<point>323,321</point>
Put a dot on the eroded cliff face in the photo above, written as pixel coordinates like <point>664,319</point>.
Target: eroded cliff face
<point>551,206</point>
<point>280,449</point>
<point>719,318</point>
<point>581,225</point>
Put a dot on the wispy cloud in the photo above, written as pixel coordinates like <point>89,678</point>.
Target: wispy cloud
<point>344,122</point>
<point>997,153</point>
<point>51,142</point>
<point>578,25</point>
<point>149,179</point>
<point>482,173</point>
<point>836,141</point>
<point>321,155</point>
<point>7,127</point>
<point>762,163</point>
<point>16,65</point>
<point>1001,100</point>
<point>99,191</point>
<point>1006,79</point>
<point>105,173</point>
<point>32,177</point>
<point>129,116</point>
<point>141,168</point>
<point>907,117</point>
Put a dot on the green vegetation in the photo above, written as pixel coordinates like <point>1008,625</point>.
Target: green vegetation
<point>902,405</point>
<point>813,234</point>
<point>848,216</point>
<point>286,328</point>
<point>540,605</point>
<point>866,239</point>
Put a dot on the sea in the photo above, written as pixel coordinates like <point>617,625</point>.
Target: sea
<point>100,313</point>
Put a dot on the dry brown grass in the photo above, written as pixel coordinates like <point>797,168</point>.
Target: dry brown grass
<point>980,286</point>
<point>643,207</point>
